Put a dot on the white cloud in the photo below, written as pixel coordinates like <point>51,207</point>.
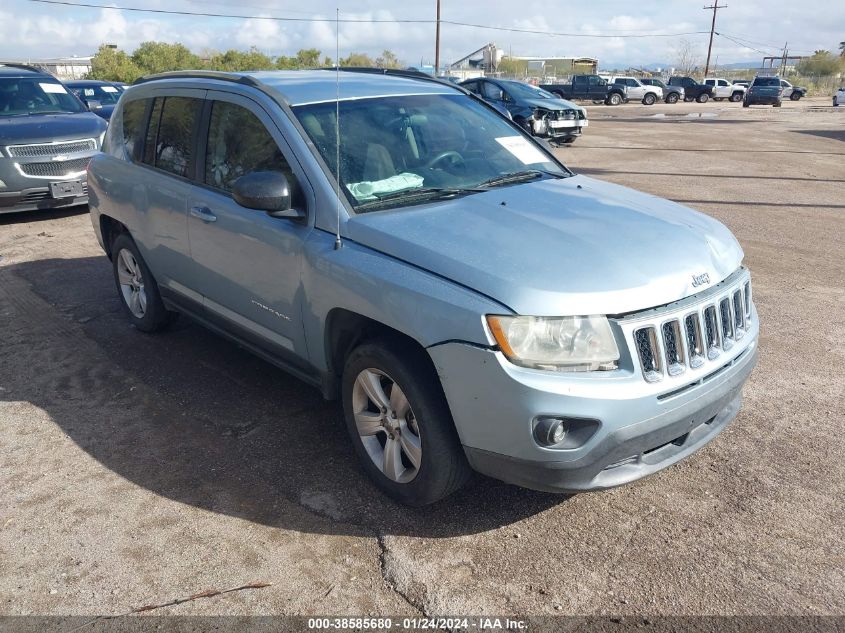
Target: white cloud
<point>35,30</point>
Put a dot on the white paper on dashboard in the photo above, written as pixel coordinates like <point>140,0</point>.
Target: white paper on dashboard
<point>522,149</point>
<point>54,88</point>
<point>108,89</point>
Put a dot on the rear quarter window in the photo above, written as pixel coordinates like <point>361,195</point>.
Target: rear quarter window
<point>133,128</point>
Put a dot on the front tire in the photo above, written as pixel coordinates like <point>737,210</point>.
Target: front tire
<point>649,99</point>
<point>737,96</point>
<point>703,97</point>
<point>795,96</point>
<point>137,288</point>
<point>672,97</point>
<point>400,424</point>
<point>615,99</point>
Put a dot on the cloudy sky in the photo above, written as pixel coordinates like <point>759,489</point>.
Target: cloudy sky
<point>34,30</point>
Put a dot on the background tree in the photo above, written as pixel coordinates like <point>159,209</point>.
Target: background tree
<point>842,49</point>
<point>821,63</point>
<point>388,59</point>
<point>232,60</point>
<point>308,58</point>
<point>687,58</point>
<point>358,59</point>
<point>110,64</point>
<point>158,57</point>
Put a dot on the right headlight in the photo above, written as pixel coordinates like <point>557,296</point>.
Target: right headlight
<point>575,343</point>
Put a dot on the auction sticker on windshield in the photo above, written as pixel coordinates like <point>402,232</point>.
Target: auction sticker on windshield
<point>522,149</point>
<point>55,88</point>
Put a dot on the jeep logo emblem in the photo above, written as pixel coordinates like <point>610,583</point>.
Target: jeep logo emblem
<point>700,280</point>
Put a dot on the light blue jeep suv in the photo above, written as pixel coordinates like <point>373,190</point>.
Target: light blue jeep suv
<point>397,243</point>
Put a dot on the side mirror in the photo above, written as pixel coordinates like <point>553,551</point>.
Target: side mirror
<point>266,191</point>
<point>93,104</point>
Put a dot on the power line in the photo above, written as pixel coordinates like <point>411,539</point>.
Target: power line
<point>363,21</point>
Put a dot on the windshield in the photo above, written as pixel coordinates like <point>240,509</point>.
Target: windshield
<point>767,81</point>
<point>526,91</point>
<point>106,95</point>
<point>394,149</point>
<point>22,96</point>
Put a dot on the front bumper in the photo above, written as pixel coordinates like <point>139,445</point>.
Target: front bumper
<point>642,428</point>
<point>35,199</point>
<point>22,191</point>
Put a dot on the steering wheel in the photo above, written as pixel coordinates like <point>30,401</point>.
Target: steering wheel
<point>452,156</point>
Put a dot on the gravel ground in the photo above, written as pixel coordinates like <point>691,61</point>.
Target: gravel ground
<point>135,469</point>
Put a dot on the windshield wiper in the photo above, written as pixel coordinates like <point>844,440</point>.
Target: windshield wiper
<point>518,176</point>
<point>415,195</point>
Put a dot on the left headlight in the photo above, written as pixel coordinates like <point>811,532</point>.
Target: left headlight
<point>575,343</point>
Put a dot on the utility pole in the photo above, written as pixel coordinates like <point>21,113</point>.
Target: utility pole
<point>437,43</point>
<point>716,6</point>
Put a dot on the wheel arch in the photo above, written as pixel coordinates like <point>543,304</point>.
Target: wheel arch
<point>109,230</point>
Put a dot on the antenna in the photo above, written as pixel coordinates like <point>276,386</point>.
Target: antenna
<point>337,242</point>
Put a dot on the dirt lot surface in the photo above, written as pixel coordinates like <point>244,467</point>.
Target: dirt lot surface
<point>135,469</point>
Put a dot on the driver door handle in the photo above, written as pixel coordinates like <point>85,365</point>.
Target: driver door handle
<point>204,214</point>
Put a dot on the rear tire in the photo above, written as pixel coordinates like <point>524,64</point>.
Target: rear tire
<point>745,104</point>
<point>688,99</point>
<point>391,430</point>
<point>137,288</point>
<point>672,97</point>
<point>795,96</point>
<point>703,97</point>
<point>777,105</point>
<point>649,99</point>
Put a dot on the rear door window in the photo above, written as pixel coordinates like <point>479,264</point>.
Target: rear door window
<point>174,144</point>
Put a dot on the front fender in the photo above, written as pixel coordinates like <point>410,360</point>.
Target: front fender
<point>425,307</point>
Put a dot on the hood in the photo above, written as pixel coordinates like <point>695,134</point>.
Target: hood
<point>573,246</point>
<point>105,112</point>
<point>550,104</point>
<point>43,128</point>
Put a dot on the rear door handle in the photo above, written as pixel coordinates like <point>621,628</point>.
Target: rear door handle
<point>204,214</point>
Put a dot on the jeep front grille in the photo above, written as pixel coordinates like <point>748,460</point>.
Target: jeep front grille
<point>52,149</point>
<point>55,169</point>
<point>690,335</point>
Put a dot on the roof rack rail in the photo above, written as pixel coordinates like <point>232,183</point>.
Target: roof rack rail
<point>36,69</point>
<point>199,74</point>
<point>399,72</point>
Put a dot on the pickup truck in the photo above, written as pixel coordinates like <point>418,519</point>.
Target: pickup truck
<point>692,89</point>
<point>724,89</point>
<point>592,87</point>
<point>792,92</point>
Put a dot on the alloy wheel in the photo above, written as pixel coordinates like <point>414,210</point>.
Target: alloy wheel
<point>386,425</point>
<point>131,282</point>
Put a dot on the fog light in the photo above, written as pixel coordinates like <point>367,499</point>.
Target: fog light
<point>549,431</point>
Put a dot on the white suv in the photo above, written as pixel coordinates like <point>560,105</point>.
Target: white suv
<point>635,89</point>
